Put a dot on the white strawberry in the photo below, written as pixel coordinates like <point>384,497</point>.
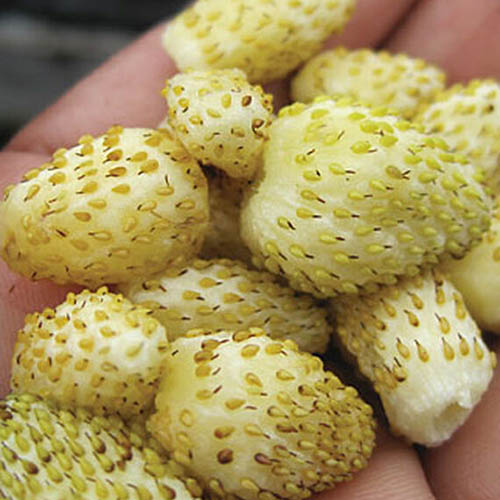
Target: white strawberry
<point>96,350</point>
<point>252,417</point>
<point>267,40</point>
<point>350,197</point>
<point>129,203</point>
<point>477,276</point>
<point>417,344</point>
<point>220,118</point>
<point>378,78</point>
<point>468,118</point>
<point>226,295</point>
<point>223,239</point>
<point>53,454</point>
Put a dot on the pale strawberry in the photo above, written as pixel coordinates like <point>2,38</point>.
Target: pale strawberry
<point>422,351</point>
<point>96,350</point>
<point>267,40</point>
<point>220,118</point>
<point>226,295</point>
<point>129,203</point>
<point>54,454</point>
<point>350,197</point>
<point>376,77</point>
<point>255,418</point>
<point>468,118</point>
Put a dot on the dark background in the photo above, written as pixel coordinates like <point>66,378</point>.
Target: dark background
<point>48,45</point>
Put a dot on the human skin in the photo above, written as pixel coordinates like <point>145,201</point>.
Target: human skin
<point>460,36</point>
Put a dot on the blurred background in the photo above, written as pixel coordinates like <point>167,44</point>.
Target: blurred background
<point>48,45</point>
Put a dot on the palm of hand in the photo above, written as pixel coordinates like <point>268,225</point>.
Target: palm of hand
<point>126,91</point>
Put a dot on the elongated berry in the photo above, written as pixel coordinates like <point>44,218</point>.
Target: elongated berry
<point>252,417</point>
<point>267,40</point>
<point>96,350</point>
<point>350,197</point>
<point>129,203</point>
<point>226,295</point>
<point>422,351</point>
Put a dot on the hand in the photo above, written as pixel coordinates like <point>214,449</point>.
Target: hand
<point>460,36</point>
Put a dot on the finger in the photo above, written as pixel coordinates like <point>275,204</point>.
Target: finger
<point>460,36</point>
<point>467,466</point>
<point>394,472</point>
<point>19,296</point>
<point>125,90</point>
<point>371,23</point>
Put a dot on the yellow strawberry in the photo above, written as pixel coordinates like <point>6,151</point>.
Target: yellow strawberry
<point>53,454</point>
<point>96,350</point>
<point>252,417</point>
<point>267,40</point>
<point>468,118</point>
<point>417,344</point>
<point>350,197</point>
<point>378,78</point>
<point>220,118</point>
<point>129,203</point>
<point>226,295</point>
